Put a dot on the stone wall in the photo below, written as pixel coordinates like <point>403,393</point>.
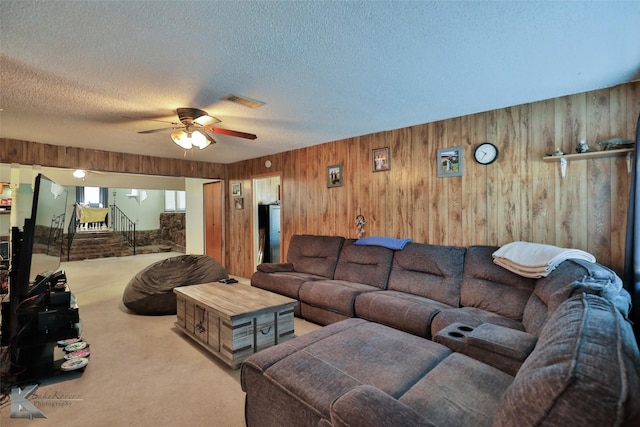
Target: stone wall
<point>173,232</point>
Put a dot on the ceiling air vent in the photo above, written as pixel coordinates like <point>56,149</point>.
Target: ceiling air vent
<point>247,102</point>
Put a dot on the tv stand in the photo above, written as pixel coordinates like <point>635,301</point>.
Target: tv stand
<point>35,355</point>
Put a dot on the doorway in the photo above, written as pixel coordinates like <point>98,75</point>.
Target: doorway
<point>266,219</point>
<point>213,220</point>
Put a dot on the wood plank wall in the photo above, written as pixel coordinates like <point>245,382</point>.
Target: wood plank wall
<point>519,197</point>
<point>32,153</point>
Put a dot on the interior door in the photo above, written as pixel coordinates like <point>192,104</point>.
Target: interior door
<point>266,195</point>
<point>213,220</point>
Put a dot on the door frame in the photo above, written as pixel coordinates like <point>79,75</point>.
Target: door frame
<point>254,207</point>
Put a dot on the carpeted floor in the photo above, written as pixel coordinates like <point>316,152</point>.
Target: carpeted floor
<point>142,371</point>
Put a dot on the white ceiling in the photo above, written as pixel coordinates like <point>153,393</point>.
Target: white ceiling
<point>70,71</point>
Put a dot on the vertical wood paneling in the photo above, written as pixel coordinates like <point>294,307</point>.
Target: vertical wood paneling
<point>493,171</point>
<point>420,197</point>
<point>541,175</point>
<point>598,182</point>
<point>519,197</point>
<point>507,182</point>
<point>436,187</point>
<point>619,187</point>
<point>571,194</point>
<point>474,205</point>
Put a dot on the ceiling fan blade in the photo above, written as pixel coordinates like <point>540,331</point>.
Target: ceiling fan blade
<point>230,132</point>
<point>150,120</point>
<point>209,137</point>
<point>206,120</point>
<point>160,130</point>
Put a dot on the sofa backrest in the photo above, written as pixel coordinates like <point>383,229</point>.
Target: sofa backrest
<point>549,292</point>
<point>430,271</point>
<point>584,370</point>
<point>490,287</point>
<point>314,254</point>
<point>369,265</point>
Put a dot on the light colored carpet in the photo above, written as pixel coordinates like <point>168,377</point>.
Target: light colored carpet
<point>142,371</point>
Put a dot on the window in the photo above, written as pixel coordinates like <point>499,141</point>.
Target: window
<point>175,201</point>
<point>92,196</point>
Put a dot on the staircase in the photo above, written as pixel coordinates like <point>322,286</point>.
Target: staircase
<point>97,244</point>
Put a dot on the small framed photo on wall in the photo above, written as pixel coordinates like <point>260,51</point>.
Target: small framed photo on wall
<point>238,203</point>
<point>450,162</point>
<point>334,176</point>
<point>236,189</point>
<point>380,159</point>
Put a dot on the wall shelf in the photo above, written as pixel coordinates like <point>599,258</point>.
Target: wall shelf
<point>589,155</point>
<point>564,159</point>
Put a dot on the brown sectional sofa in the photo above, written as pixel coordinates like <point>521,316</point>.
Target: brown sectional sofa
<point>440,335</point>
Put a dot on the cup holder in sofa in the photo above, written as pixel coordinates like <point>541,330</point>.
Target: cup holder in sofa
<point>458,331</point>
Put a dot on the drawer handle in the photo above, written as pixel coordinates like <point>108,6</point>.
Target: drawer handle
<point>265,333</point>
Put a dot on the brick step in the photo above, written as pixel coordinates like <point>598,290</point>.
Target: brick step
<point>94,244</point>
<point>97,244</point>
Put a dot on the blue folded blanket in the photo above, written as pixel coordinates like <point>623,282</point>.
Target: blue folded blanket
<point>387,242</point>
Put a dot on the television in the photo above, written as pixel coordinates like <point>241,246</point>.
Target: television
<point>42,237</point>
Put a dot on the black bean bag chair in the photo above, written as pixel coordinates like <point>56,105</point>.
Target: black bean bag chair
<point>150,291</point>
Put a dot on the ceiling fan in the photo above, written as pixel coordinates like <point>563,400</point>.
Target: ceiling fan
<point>82,173</point>
<point>194,128</point>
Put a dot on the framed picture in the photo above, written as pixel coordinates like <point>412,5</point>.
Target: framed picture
<point>236,189</point>
<point>380,159</point>
<point>450,162</point>
<point>334,176</point>
<point>238,203</point>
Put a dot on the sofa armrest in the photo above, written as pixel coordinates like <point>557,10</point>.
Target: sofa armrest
<point>501,340</point>
<point>367,406</point>
<point>269,267</point>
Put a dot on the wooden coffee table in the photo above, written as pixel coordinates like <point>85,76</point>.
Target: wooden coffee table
<point>234,321</point>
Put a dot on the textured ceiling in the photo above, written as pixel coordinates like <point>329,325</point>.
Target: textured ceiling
<point>70,71</point>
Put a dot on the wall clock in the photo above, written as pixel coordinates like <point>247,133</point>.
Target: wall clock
<point>486,153</point>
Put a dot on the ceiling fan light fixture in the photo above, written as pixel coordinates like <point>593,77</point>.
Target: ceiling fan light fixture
<point>188,140</point>
<point>200,139</point>
<point>79,173</point>
<point>182,139</point>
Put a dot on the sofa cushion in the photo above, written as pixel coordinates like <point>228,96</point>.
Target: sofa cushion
<point>284,283</point>
<point>334,295</point>
<point>316,255</point>
<point>459,391</point>
<point>369,265</point>
<point>429,271</point>
<point>321,366</point>
<point>367,406</point>
<point>583,371</point>
<point>483,281</point>
<point>403,311</point>
<point>549,292</point>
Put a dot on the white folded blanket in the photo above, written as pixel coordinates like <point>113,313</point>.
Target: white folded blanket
<point>535,259</point>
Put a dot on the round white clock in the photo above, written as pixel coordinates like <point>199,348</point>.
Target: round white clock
<point>486,153</point>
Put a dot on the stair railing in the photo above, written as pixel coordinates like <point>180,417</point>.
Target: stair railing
<point>120,223</point>
<point>71,230</point>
